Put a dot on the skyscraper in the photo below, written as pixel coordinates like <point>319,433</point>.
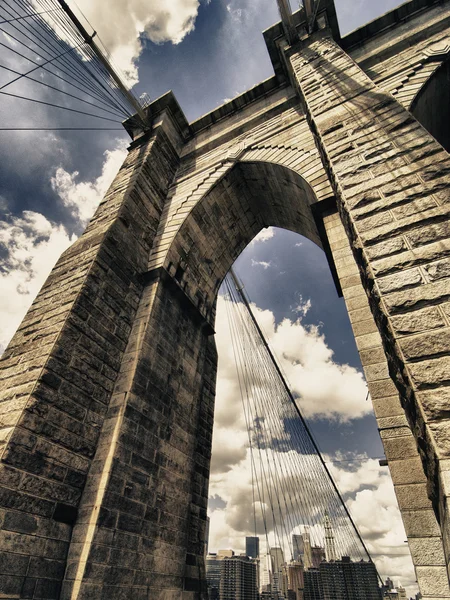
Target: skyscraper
<point>348,580</point>
<point>252,547</point>
<point>296,580</point>
<point>238,579</point>
<point>213,562</point>
<point>307,552</point>
<point>313,585</point>
<point>298,547</point>
<point>277,571</point>
<point>330,547</point>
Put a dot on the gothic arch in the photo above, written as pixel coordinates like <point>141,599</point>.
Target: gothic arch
<point>251,196</point>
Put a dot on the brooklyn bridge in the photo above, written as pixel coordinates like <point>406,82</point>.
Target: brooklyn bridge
<point>107,388</point>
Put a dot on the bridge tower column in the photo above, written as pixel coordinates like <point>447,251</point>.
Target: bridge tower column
<point>69,404</point>
<point>388,176</point>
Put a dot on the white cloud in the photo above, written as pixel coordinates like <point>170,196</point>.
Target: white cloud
<point>325,388</point>
<point>298,244</point>
<point>303,307</point>
<point>261,263</point>
<point>83,197</point>
<point>265,234</point>
<point>122,25</point>
<point>31,243</point>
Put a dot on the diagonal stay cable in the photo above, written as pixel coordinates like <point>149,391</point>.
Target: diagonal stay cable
<point>51,87</point>
<point>28,30</point>
<point>28,16</point>
<point>288,391</point>
<point>47,62</point>
<point>45,44</point>
<point>81,112</point>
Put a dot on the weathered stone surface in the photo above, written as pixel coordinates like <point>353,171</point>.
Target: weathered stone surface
<point>97,447</point>
<point>433,581</point>
<point>427,552</point>
<point>426,319</point>
<point>426,345</point>
<point>421,523</point>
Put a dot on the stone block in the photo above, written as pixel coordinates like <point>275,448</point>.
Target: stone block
<point>407,471</point>
<point>412,497</point>
<point>387,407</point>
<point>421,523</point>
<point>427,552</point>
<point>420,320</point>
<point>433,581</point>
<point>426,345</point>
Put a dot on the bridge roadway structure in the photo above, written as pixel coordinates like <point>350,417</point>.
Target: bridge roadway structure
<point>107,389</point>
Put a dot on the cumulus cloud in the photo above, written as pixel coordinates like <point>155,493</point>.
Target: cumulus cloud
<point>122,26</point>
<point>82,197</point>
<point>324,387</point>
<point>31,243</point>
<point>367,488</point>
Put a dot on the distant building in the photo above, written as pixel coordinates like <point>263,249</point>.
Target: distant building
<point>277,570</point>
<point>238,579</point>
<point>266,574</point>
<point>348,580</point>
<point>330,546</point>
<point>313,585</point>
<point>298,547</point>
<point>296,580</point>
<point>252,547</point>
<point>307,551</point>
<point>213,562</point>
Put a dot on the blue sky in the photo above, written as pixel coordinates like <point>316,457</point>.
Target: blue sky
<point>206,52</point>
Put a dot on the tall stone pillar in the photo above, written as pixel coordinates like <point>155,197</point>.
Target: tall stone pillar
<point>410,483</point>
<point>60,370</point>
<point>142,522</point>
<point>391,182</point>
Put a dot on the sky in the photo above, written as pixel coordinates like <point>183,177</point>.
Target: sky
<point>206,51</point>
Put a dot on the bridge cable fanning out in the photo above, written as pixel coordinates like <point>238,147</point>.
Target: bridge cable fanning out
<point>52,60</point>
<point>295,490</point>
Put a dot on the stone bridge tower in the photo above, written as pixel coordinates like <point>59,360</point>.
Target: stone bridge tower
<point>107,389</point>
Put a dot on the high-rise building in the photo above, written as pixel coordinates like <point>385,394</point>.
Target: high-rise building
<point>298,547</point>
<point>252,547</point>
<point>277,570</point>
<point>266,574</point>
<point>330,546</point>
<point>348,580</point>
<point>313,585</point>
<point>307,552</point>
<point>296,580</point>
<point>238,579</point>
<point>213,562</point>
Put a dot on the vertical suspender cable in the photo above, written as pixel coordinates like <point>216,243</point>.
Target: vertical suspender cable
<point>246,303</point>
